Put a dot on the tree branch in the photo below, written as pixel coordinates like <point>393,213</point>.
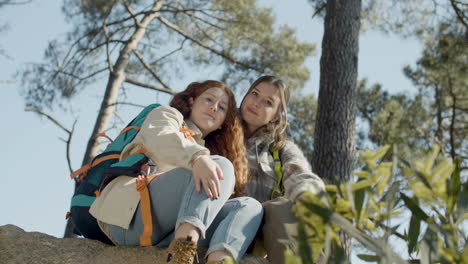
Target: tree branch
<point>81,78</point>
<point>452,121</point>
<point>319,10</point>
<point>199,43</point>
<point>132,14</point>
<point>137,83</point>
<point>127,103</point>
<point>69,132</point>
<point>198,26</point>
<point>170,53</point>
<point>198,10</point>
<point>126,19</point>
<point>148,67</point>
<point>68,147</point>
<point>109,62</point>
<point>94,33</point>
<point>10,2</point>
<point>104,30</point>
<point>188,13</point>
<point>460,14</point>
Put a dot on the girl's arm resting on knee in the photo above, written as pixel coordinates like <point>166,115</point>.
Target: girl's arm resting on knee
<point>206,174</point>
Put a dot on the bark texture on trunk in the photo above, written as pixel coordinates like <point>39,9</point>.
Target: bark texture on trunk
<point>334,143</point>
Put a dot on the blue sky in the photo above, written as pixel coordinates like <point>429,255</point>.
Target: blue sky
<point>35,189</point>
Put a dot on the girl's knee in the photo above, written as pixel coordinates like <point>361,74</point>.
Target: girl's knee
<point>223,163</point>
<point>226,167</point>
<point>252,206</point>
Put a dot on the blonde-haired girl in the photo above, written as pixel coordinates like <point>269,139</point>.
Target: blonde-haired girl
<point>265,118</point>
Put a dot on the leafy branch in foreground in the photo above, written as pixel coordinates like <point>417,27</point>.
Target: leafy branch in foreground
<point>371,210</point>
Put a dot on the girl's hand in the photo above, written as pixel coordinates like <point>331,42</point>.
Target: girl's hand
<point>207,173</point>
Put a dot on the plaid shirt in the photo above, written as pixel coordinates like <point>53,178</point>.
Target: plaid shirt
<point>297,175</point>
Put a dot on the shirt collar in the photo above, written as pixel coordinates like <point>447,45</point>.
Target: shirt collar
<point>260,136</point>
<point>198,134</point>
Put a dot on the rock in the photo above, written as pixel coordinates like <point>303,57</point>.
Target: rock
<point>18,246</point>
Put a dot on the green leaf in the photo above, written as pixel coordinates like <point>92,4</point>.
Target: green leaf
<point>290,258</point>
<point>414,207</point>
<point>443,170</point>
<point>417,173</point>
<point>381,152</point>
<point>361,184</point>
<point>429,162</point>
<point>377,245</point>
<point>392,230</point>
<point>359,196</point>
<point>390,196</point>
<point>454,188</point>
<point>413,234</point>
<point>325,213</point>
<point>369,258</point>
<point>339,254</point>
<point>304,249</point>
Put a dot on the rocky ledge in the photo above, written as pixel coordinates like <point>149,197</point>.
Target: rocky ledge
<point>18,246</point>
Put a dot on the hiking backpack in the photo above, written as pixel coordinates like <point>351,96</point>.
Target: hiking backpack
<point>93,177</point>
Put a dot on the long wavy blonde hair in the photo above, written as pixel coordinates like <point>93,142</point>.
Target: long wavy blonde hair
<point>277,128</point>
<point>227,141</point>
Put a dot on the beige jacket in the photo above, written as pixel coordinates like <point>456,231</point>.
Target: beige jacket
<point>167,148</point>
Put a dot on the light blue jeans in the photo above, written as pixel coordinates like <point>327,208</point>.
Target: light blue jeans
<point>223,224</point>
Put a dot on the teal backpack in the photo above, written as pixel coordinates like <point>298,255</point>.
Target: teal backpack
<point>92,178</point>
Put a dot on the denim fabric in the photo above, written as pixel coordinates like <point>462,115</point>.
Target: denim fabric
<point>224,224</point>
<point>233,229</point>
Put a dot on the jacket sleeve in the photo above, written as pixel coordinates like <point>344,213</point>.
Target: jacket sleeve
<point>160,135</point>
<point>297,174</point>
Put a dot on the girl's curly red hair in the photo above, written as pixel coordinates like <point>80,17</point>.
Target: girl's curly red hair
<point>227,141</point>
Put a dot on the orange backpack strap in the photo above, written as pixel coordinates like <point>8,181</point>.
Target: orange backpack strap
<point>188,133</point>
<point>84,170</point>
<point>141,186</point>
<point>128,128</point>
<point>102,134</point>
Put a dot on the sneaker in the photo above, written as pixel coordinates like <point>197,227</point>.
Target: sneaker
<point>181,251</point>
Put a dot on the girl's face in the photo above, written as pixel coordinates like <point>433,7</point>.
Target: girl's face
<point>260,106</point>
<point>209,110</point>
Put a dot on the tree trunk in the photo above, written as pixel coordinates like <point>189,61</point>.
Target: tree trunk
<point>116,78</point>
<point>334,143</point>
